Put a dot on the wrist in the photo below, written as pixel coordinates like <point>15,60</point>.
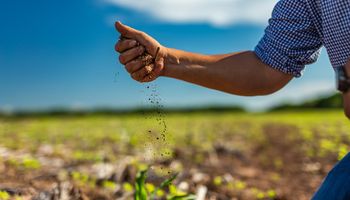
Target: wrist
<point>176,60</point>
<point>171,59</point>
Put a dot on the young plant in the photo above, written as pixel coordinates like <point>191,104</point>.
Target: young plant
<point>140,187</point>
<point>142,194</point>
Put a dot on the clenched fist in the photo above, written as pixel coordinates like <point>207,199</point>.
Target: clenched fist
<point>142,55</point>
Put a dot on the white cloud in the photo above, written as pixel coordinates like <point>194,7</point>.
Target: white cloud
<point>215,12</point>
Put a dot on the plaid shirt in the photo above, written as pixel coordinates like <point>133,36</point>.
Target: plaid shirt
<point>299,28</point>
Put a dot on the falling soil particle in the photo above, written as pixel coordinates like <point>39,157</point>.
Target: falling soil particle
<point>156,102</point>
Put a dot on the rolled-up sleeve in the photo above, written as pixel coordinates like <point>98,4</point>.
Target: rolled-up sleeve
<point>291,39</point>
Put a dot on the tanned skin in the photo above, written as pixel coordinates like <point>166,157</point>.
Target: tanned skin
<point>241,73</point>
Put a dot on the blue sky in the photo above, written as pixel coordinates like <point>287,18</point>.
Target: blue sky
<point>61,53</point>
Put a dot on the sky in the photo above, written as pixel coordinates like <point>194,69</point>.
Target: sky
<point>60,54</point>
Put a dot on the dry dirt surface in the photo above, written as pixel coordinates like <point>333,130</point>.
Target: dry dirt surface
<point>216,157</point>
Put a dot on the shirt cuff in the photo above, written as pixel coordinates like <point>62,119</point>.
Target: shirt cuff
<point>277,60</point>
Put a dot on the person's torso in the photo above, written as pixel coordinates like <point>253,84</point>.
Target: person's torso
<point>332,20</point>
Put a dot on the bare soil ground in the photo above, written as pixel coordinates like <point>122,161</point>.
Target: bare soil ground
<point>277,165</point>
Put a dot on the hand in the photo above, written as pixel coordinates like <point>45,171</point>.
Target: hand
<point>136,44</point>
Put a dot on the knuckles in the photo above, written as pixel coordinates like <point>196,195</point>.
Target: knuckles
<point>132,43</point>
<point>141,50</point>
<point>131,50</point>
<point>120,45</point>
<point>141,34</point>
<point>131,53</point>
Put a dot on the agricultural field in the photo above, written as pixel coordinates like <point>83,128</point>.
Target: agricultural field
<point>282,155</point>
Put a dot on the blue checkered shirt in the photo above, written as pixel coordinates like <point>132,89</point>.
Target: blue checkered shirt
<point>299,28</point>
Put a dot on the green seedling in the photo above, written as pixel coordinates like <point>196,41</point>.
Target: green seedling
<point>163,185</point>
<point>141,188</point>
<point>141,192</point>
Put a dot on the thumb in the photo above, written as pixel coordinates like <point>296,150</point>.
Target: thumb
<point>125,31</point>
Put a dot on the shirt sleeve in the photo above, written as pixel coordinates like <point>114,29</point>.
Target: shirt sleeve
<point>291,39</point>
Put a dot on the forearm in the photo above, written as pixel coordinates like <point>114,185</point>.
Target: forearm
<point>236,73</point>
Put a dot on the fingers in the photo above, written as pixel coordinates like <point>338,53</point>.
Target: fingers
<point>142,73</point>
<point>143,38</point>
<point>148,42</point>
<point>134,66</point>
<point>132,46</point>
<point>126,31</point>
<point>131,54</point>
<point>123,45</point>
<point>144,68</point>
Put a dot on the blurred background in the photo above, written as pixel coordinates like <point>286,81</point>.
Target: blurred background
<point>74,125</point>
<point>60,54</point>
